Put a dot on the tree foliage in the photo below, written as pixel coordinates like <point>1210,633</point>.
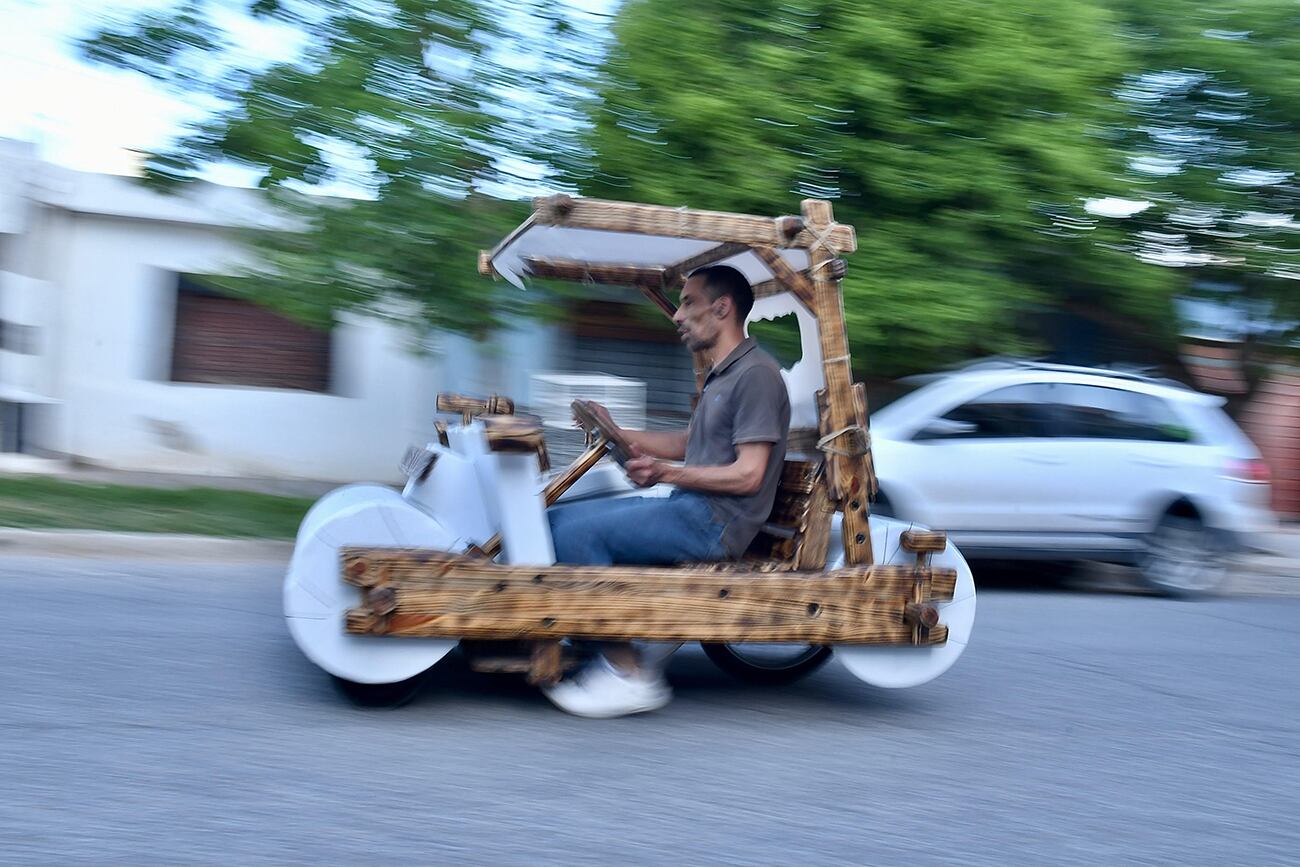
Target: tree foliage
<point>961,137</point>
<point>417,111</point>
<point>1211,140</point>
<point>958,136</point>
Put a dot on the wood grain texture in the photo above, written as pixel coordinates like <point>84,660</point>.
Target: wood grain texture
<point>679,271</point>
<point>604,273</point>
<point>924,540</point>
<point>850,476</point>
<point>788,277</point>
<point>472,407</point>
<point>546,665</point>
<point>583,213</point>
<point>442,595</point>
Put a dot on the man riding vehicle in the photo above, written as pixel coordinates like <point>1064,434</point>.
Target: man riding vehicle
<point>725,468</point>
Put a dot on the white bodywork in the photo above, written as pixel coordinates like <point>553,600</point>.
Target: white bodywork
<point>456,505</point>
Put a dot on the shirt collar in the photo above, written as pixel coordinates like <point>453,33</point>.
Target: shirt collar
<point>740,351</point>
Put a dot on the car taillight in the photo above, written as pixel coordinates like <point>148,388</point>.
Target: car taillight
<point>1247,470</point>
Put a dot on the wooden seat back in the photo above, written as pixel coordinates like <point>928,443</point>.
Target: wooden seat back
<point>798,529</point>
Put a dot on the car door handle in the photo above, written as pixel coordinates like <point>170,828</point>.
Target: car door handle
<point>1041,460</point>
<point>1152,462</point>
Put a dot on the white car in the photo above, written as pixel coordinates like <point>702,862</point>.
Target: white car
<point>1026,460</point>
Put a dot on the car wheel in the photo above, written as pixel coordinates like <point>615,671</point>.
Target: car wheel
<point>380,695</point>
<point>1183,558</point>
<point>882,507</point>
<point>768,664</point>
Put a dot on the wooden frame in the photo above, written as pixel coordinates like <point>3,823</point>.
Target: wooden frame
<point>469,596</point>
<point>435,594</point>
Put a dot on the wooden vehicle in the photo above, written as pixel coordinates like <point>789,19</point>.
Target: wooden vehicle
<point>382,584</point>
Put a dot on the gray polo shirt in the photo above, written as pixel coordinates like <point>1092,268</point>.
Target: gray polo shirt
<point>744,400</point>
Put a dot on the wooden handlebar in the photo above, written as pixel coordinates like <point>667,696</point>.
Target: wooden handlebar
<point>472,407</point>
<point>620,448</point>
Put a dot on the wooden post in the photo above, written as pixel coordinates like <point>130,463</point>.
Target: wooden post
<point>547,664</point>
<point>851,477</point>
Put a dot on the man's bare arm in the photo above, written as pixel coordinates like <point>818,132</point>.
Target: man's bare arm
<point>742,477</point>
<point>669,445</point>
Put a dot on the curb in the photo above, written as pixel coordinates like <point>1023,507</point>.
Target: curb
<point>98,544</point>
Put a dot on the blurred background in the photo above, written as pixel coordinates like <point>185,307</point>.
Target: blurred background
<point>238,247</point>
<point>238,239</point>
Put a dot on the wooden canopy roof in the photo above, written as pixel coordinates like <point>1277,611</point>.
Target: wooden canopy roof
<point>655,248</point>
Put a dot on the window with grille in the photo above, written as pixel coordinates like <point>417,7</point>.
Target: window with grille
<point>224,340</point>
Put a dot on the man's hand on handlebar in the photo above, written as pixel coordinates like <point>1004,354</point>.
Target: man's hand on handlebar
<point>602,415</point>
<point>643,470</point>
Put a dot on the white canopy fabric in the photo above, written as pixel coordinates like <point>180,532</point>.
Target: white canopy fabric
<point>599,247</point>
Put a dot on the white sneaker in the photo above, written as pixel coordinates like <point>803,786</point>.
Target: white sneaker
<point>600,692</point>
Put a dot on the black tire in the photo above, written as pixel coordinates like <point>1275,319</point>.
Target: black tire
<point>882,507</point>
<point>380,695</point>
<point>1184,558</point>
<point>769,669</point>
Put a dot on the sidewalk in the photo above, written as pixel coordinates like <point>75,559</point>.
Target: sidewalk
<point>1272,572</point>
<point>20,465</point>
<point>102,545</point>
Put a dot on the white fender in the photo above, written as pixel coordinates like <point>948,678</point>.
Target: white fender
<point>316,598</point>
<point>897,667</point>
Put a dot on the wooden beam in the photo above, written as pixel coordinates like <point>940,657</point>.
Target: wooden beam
<point>650,280</point>
<point>432,594</point>
<point>678,272</point>
<point>796,282</point>
<point>595,272</point>
<point>580,213</point>
<point>660,300</point>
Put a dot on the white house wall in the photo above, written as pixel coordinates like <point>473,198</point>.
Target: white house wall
<point>112,360</point>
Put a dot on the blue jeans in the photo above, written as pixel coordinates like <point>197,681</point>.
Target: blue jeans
<point>649,531</point>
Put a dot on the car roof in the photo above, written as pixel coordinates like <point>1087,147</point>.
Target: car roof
<point>980,378</point>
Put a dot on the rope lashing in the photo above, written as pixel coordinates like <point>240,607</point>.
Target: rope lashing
<point>861,442</point>
<point>821,239</point>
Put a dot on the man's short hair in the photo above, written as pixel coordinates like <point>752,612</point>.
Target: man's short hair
<point>722,280</point>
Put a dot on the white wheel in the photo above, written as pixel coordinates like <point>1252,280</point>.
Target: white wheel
<point>898,667</point>
<point>316,598</point>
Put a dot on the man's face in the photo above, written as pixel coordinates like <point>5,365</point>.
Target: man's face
<point>697,317</point>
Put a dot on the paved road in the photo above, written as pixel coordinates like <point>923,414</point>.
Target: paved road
<point>157,713</point>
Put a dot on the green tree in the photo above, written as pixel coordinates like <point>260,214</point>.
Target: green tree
<point>424,112</point>
<point>958,136</point>
<point>1211,143</point>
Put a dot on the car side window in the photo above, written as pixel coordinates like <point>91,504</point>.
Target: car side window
<point>1097,412</point>
<point>1018,411</point>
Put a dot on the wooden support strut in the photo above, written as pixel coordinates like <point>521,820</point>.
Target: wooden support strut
<point>788,277</point>
<point>582,213</point>
<point>920,616</point>
<point>681,270</point>
<point>851,476</point>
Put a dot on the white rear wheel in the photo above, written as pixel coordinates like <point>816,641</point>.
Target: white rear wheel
<point>898,667</point>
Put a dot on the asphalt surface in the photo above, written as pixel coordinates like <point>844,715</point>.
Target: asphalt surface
<point>158,713</point>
